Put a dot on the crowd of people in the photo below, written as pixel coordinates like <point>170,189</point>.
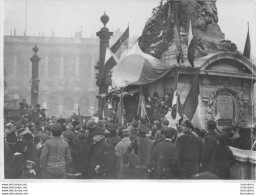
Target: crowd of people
<point>73,149</point>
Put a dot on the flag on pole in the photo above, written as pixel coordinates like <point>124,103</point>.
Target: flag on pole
<point>169,21</point>
<point>115,53</point>
<point>190,33</point>
<point>190,105</point>
<point>177,39</point>
<point>173,116</point>
<point>141,111</point>
<point>121,44</point>
<point>247,47</point>
<point>198,118</point>
<point>107,55</point>
<point>120,110</point>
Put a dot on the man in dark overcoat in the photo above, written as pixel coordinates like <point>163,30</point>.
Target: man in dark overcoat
<point>189,147</point>
<point>209,144</point>
<point>164,160</point>
<point>222,158</point>
<point>101,156</point>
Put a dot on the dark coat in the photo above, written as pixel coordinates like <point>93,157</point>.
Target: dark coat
<point>208,148</point>
<point>189,147</point>
<point>102,154</point>
<point>165,160</point>
<point>83,156</point>
<point>27,175</point>
<point>18,163</point>
<point>9,150</point>
<point>244,143</point>
<point>221,161</point>
<point>114,139</point>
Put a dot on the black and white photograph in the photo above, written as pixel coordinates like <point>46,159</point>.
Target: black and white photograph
<point>154,90</point>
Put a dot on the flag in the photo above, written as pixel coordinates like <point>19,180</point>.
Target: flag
<point>217,117</point>
<point>121,44</point>
<point>190,33</point>
<point>173,116</point>
<point>141,111</point>
<point>107,55</point>
<point>192,51</point>
<point>115,51</point>
<point>247,47</point>
<point>190,105</point>
<point>175,106</point>
<point>120,110</point>
<point>177,39</point>
<point>198,118</point>
<point>169,21</point>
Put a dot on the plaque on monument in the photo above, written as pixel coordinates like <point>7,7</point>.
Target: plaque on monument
<point>225,110</point>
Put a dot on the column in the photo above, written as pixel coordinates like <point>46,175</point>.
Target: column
<point>77,66</point>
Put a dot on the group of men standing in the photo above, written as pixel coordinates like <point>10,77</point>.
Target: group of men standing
<point>105,150</point>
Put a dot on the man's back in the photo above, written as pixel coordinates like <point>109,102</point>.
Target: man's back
<point>165,159</point>
<point>55,156</point>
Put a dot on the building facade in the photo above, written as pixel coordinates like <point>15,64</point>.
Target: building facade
<point>66,72</point>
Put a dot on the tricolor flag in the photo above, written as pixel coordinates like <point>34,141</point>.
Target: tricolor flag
<point>247,47</point>
<point>115,53</point>
<point>173,116</point>
<point>190,33</point>
<point>141,111</point>
<point>198,118</point>
<point>120,110</point>
<point>121,44</point>
<point>192,107</point>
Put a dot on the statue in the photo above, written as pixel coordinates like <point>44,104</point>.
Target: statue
<point>158,34</point>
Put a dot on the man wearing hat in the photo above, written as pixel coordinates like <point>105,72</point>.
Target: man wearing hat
<point>55,159</point>
<point>113,137</point>
<point>142,146</point>
<point>222,158</point>
<point>164,160</point>
<point>209,144</point>
<point>101,156</point>
<point>189,147</point>
<point>121,149</point>
<point>9,150</point>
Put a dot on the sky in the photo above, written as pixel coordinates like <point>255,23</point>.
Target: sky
<point>68,16</point>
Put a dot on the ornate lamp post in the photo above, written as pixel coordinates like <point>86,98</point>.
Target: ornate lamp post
<point>104,36</point>
<point>35,80</point>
